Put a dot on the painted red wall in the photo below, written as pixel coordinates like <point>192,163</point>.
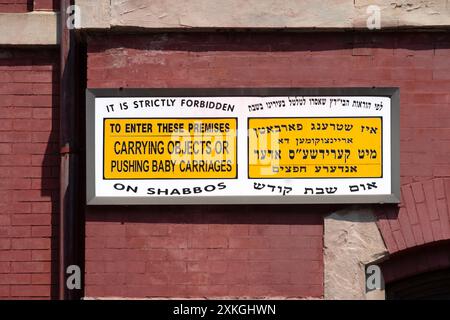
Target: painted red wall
<point>15,6</point>
<point>252,250</point>
<point>29,172</point>
<point>46,5</point>
<point>197,251</point>
<point>20,6</point>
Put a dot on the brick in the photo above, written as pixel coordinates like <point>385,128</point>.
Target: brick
<point>44,88</point>
<point>143,291</point>
<point>46,5</point>
<point>428,187</point>
<point>167,242</point>
<point>41,255</point>
<point>227,254</point>
<point>16,160</point>
<point>11,278</point>
<point>139,230</point>
<point>410,204</point>
<point>406,228</point>
<point>41,278</point>
<point>7,125</point>
<point>33,125</point>
<point>262,230</point>
<point>116,242</point>
<point>442,208</point>
<point>14,184</point>
<point>125,266</point>
<point>30,267</point>
<point>15,208</point>
<point>207,266</point>
<point>5,148</point>
<point>20,172</point>
<point>32,77</point>
<point>42,113</point>
<point>441,171</point>
<point>166,266</point>
<point>16,113</point>
<point>45,183</point>
<point>418,192</point>
<point>15,255</point>
<point>31,196</point>
<point>5,244</point>
<point>107,230</point>
<point>198,278</point>
<point>5,220</point>
<point>20,232</point>
<point>150,254</point>
<point>5,267</point>
<point>41,231</point>
<point>425,222</point>
<point>95,242</point>
<point>31,243</point>
<point>399,240</point>
<point>30,291</point>
<point>95,267</point>
<point>4,289</point>
<point>208,242</point>
<point>19,6</point>
<point>26,101</point>
<point>42,207</point>
<point>418,234</point>
<point>229,230</point>
<point>31,219</point>
<point>436,229</point>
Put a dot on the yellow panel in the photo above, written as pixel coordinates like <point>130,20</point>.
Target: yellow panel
<point>315,147</point>
<point>184,148</point>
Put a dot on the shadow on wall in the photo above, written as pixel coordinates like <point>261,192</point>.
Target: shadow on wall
<point>52,160</point>
<point>213,214</point>
<point>360,42</point>
<point>406,273</point>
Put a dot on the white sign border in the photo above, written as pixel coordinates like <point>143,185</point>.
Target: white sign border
<point>94,199</point>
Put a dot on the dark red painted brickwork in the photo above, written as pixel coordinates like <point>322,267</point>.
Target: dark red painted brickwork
<point>29,171</point>
<point>423,217</point>
<point>16,6</point>
<point>200,251</point>
<point>415,261</point>
<point>20,6</point>
<point>46,5</point>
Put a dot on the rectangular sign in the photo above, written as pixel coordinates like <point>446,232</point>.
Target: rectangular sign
<point>169,148</point>
<point>242,146</point>
<point>315,148</point>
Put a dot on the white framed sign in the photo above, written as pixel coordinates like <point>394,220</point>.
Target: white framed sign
<point>242,146</point>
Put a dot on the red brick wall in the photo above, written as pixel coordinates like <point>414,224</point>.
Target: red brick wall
<point>18,6</point>
<point>14,6</point>
<point>247,250</point>
<point>29,171</point>
<point>46,5</point>
<point>199,251</point>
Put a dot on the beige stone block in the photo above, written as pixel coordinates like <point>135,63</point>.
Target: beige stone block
<point>94,14</point>
<point>34,28</point>
<point>351,241</point>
